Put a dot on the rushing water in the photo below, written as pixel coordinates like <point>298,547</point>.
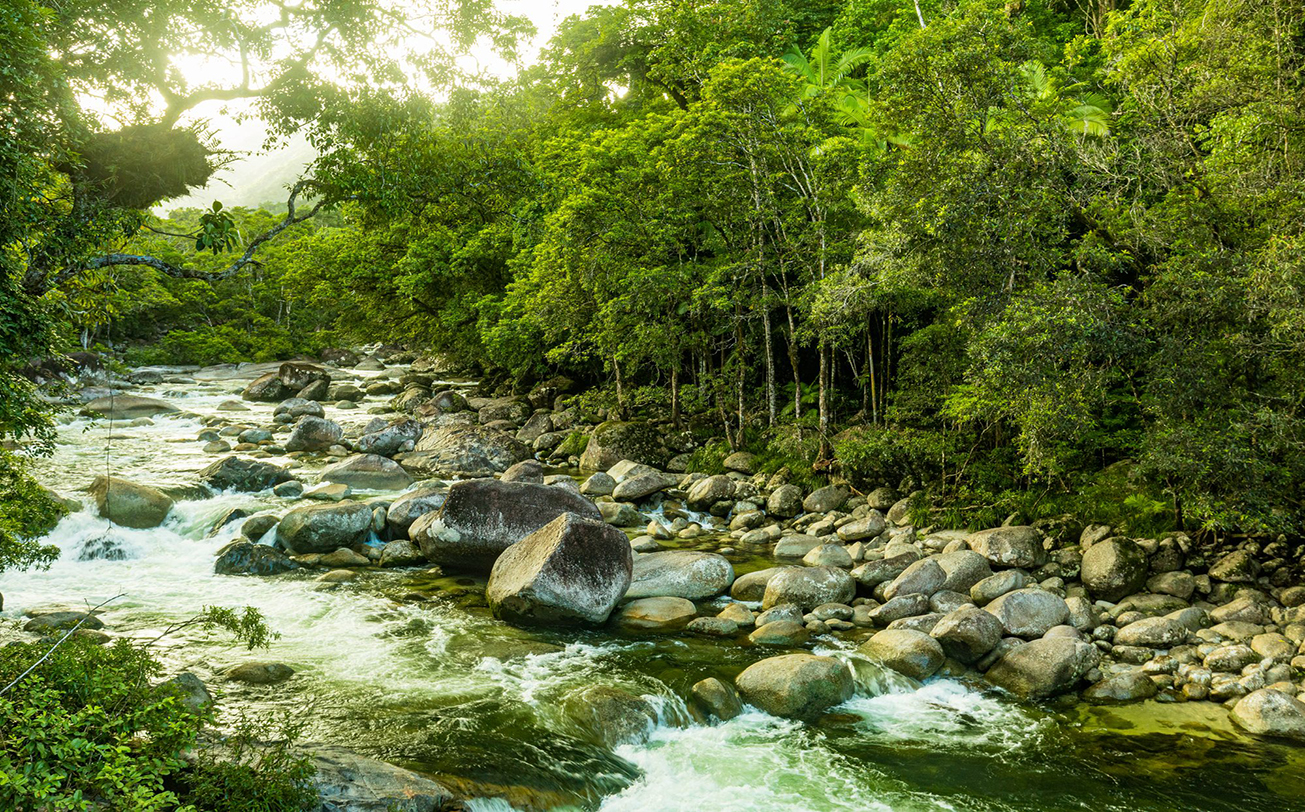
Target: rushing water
<point>440,686</point>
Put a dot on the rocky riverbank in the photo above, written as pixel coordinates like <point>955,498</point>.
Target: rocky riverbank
<point>559,520</point>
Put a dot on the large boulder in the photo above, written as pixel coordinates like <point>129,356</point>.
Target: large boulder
<point>1153,632</point>
<point>785,502</point>
<point>823,500</point>
<point>325,528</point>
<point>267,389</point>
<point>234,473</point>
<point>483,517</point>
<point>752,586</point>
<point>467,450</point>
<point>809,587</point>
<point>368,472</point>
<point>129,504</point>
<point>641,486</point>
<point>413,505</point>
<point>867,527</point>
<point>1114,569</point>
<point>1270,712</point>
<point>1029,612</point>
<point>345,781</point>
<point>1019,546</point>
<point>401,435</point>
<point>964,569</point>
<point>295,408</point>
<point>127,407</point>
<point>924,577</point>
<point>968,633</point>
<point>610,716</point>
<point>614,441</point>
<point>1045,667</point>
<point>296,375</point>
<point>680,574</point>
<point>571,570</point>
<point>248,558</point>
<point>1121,689</point>
<point>314,434</point>
<point>796,686</point>
<point>706,492</point>
<point>909,652</point>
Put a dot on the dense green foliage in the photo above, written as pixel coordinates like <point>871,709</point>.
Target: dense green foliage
<point>90,728</point>
<point>27,512</point>
<point>1017,253</point>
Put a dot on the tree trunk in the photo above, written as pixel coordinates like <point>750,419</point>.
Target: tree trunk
<point>797,374</point>
<point>620,388</point>
<point>771,405</point>
<point>826,448</point>
<point>675,396</point>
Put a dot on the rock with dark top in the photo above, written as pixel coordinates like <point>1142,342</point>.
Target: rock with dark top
<point>1019,546</point>
<point>296,375</point>
<point>267,389</point>
<point>1114,568</point>
<point>314,434</point>
<point>482,518</point>
<point>249,558</point>
<point>234,473</point>
<point>51,622</point>
<point>572,570</point>
<point>401,435</point>
<point>614,441</point>
<point>325,528</point>
<point>259,673</point>
<point>465,449</point>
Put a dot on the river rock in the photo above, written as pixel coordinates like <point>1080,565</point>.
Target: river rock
<point>129,504</point>
<point>267,389</point>
<point>1122,688</point>
<point>787,633</point>
<point>874,573</point>
<point>295,408</point>
<point>410,506</point>
<point>297,375</point>
<point>924,577</point>
<point>865,528</point>
<point>1237,567</point>
<point>191,691</point>
<point>823,500</point>
<point>913,653</point>
<point>1019,546</point>
<point>235,473</point>
<point>1114,568</point>
<point>127,407</point>
<point>610,716</point>
<point>796,545</point>
<point>50,622</point>
<point>967,634</point>
<point>614,441</point>
<point>1044,668</point>
<point>482,518</point>
<point>785,502</point>
<point>656,614</point>
<point>642,486</point>
<point>989,589</point>
<point>620,514</point>
<point>828,555</point>
<point>1029,612</point>
<point>714,698</point>
<point>401,553</point>
<point>368,472</point>
<point>752,586</point>
<point>401,435</point>
<point>808,587</point>
<point>314,434</point>
<point>572,570</point>
<point>680,574</point>
<point>964,569</point>
<point>1152,632</point>
<point>524,471</point>
<point>1270,712</point>
<point>345,781</point>
<point>706,492</point>
<point>251,558</point>
<point>465,449</point>
<point>324,528</point>
<point>599,484</point>
<point>796,686</point>
<point>259,673</point>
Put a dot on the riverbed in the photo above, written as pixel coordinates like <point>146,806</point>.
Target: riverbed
<point>411,668</point>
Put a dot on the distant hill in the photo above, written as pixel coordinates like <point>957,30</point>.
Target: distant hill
<point>257,178</point>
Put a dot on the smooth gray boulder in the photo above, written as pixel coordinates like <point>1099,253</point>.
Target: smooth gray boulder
<point>924,577</point>
<point>808,587</point>
<point>127,407</point>
<point>913,653</point>
<point>483,517</point>
<point>1044,668</point>
<point>785,502</point>
<point>1270,712</point>
<point>964,569</point>
<point>571,570</point>
<point>1114,568</point>
<point>968,633</point>
<point>1153,632</point>
<point>368,472</point>
<point>524,471</point>
<point>465,449</point>
<point>713,698</point>
<point>348,782</point>
<point>656,614</point>
<point>865,528</point>
<point>796,686</point>
<point>642,486</point>
<point>130,504</point>
<point>680,574</point>
<point>1121,689</point>
<point>235,473</point>
<point>409,507</point>
<point>706,492</point>
<point>250,558</point>
<point>752,586</point>
<point>1029,613</point>
<point>325,528</point>
<point>314,434</point>
<point>1019,546</point>
<point>614,441</point>
<point>401,435</point>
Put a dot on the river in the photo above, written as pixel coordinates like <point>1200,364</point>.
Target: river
<point>439,686</point>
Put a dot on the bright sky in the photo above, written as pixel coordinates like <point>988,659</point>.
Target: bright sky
<point>263,176</point>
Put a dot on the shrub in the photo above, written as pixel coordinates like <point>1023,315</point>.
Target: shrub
<point>26,511</point>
